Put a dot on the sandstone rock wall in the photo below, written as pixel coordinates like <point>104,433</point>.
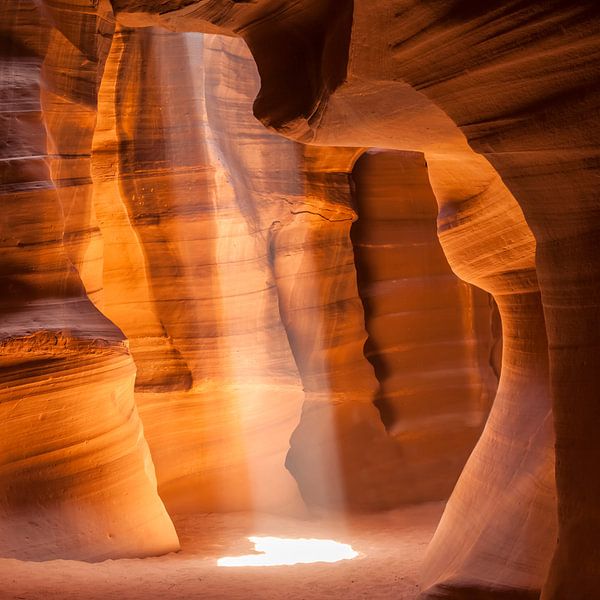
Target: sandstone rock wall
<point>254,230</point>
<point>218,389</point>
<point>430,335</point>
<point>515,82</point>
<point>341,438</point>
<point>340,452</point>
<point>76,476</point>
<point>488,242</point>
<point>208,241</point>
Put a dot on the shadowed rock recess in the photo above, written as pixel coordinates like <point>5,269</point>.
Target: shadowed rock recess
<point>319,257</point>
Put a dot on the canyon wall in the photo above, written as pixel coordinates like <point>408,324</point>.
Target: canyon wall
<point>517,83</point>
<point>487,241</point>
<point>341,438</point>
<point>430,334</point>
<point>218,390</point>
<point>501,101</point>
<point>76,475</point>
<point>156,220</point>
<point>264,317</point>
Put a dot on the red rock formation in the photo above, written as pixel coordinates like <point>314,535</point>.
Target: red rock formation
<point>519,81</point>
<point>75,472</point>
<point>289,223</point>
<point>429,332</point>
<point>510,473</point>
<point>218,389</point>
<point>291,210</point>
<point>515,82</point>
<point>340,452</point>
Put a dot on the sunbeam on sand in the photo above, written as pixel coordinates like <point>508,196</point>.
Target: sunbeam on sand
<point>275,551</point>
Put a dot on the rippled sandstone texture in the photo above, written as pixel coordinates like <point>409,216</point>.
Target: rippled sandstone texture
<point>181,191</point>
<point>340,453</point>
<point>516,82</point>
<point>265,317</point>
<point>76,476</point>
<point>207,241</point>
<point>430,336</point>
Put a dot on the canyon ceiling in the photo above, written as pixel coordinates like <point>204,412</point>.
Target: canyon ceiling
<point>283,256</point>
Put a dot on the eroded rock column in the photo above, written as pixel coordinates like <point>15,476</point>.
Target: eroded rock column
<point>76,477</point>
<point>497,533</point>
<point>191,183</point>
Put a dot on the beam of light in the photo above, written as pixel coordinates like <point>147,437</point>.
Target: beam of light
<point>275,551</point>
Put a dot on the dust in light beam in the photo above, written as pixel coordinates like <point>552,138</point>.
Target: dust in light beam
<point>275,551</point>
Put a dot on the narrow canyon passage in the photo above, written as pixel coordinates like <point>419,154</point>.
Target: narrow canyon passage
<point>299,300</point>
<point>227,260</point>
<point>431,336</point>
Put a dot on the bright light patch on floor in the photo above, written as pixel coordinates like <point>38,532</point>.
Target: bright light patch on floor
<point>275,551</point>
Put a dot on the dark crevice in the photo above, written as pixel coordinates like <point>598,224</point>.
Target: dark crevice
<point>301,61</point>
<point>404,283</point>
<point>364,277</point>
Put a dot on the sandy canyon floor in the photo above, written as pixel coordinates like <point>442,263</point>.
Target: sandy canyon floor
<point>390,546</point>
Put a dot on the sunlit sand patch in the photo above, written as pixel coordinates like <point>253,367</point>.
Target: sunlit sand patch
<point>275,551</point>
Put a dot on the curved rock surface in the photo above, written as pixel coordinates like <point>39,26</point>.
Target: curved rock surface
<point>263,310</point>
<point>510,472</point>
<point>430,334</point>
<point>340,452</point>
<point>218,389</point>
<point>501,99</point>
<point>76,477</point>
<point>215,260</point>
<point>517,82</point>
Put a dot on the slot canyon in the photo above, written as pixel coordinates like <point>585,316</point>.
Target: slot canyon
<point>300,299</point>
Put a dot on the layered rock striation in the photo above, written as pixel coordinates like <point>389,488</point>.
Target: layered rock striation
<point>431,339</point>
<point>500,99</point>
<point>518,80</point>
<point>517,83</point>
<point>207,241</point>
<point>265,316</point>
<point>179,181</point>
<point>76,476</point>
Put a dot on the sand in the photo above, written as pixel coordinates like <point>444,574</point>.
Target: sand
<point>390,545</point>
